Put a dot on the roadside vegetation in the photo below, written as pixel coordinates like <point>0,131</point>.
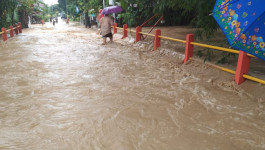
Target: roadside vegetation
<point>194,13</point>
<point>13,11</point>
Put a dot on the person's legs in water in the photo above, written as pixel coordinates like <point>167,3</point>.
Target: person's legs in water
<point>111,38</point>
<point>110,35</point>
<point>104,40</point>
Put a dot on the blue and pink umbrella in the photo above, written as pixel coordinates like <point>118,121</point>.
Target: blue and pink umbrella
<point>243,23</point>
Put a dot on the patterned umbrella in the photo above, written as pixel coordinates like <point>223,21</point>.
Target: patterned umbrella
<point>111,10</point>
<point>243,23</point>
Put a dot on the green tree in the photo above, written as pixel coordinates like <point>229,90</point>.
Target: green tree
<point>62,4</point>
<point>9,9</point>
<point>176,12</point>
<point>7,12</point>
<point>55,9</point>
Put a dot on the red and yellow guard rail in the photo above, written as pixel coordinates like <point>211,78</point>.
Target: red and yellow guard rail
<point>241,72</point>
<point>17,29</point>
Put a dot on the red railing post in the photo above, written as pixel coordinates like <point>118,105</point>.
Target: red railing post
<point>137,34</point>
<point>20,27</point>
<point>4,35</point>
<point>115,28</point>
<point>42,22</point>
<point>157,39</point>
<point>125,33</point>
<point>189,47</point>
<point>11,31</point>
<point>242,67</point>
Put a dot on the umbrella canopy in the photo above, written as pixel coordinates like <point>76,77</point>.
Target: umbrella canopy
<point>243,23</point>
<point>111,10</point>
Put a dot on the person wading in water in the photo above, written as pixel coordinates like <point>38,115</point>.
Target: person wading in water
<point>53,22</point>
<point>105,25</point>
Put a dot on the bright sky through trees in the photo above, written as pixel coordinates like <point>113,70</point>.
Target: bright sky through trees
<point>50,2</point>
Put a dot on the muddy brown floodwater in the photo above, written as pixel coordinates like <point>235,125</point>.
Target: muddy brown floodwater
<point>61,89</point>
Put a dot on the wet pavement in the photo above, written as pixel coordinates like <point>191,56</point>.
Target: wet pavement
<point>61,89</point>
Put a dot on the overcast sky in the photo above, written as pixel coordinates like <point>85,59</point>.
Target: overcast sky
<point>50,2</point>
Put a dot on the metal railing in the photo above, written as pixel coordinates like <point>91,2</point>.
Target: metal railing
<point>205,46</point>
<point>17,29</point>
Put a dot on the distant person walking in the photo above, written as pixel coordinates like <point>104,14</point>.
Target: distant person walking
<point>53,22</point>
<point>105,25</point>
<point>42,22</point>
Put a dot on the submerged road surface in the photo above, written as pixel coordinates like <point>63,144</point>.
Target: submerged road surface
<point>61,89</point>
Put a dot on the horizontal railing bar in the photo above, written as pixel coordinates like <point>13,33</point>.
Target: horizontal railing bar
<point>215,66</point>
<point>218,48</point>
<point>119,28</point>
<point>225,69</point>
<point>253,79</point>
<point>215,47</point>
<point>146,34</point>
<point>172,39</point>
<point>130,30</point>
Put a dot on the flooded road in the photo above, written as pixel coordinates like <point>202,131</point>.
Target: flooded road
<point>61,89</point>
